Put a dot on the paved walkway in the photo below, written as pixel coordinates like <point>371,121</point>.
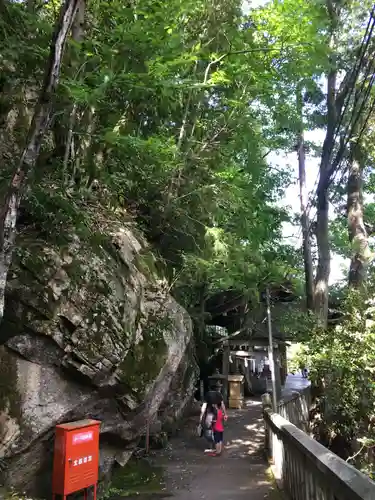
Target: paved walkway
<point>294,383</point>
<point>240,473</point>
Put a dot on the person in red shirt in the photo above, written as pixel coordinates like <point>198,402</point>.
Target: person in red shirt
<point>218,430</point>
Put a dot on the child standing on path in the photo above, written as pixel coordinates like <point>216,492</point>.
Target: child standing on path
<point>218,430</point>
<point>206,423</point>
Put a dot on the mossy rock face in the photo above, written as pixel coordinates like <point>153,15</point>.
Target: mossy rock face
<point>147,263</point>
<point>146,358</point>
<point>88,332</point>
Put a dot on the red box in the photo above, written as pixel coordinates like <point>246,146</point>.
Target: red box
<point>76,457</point>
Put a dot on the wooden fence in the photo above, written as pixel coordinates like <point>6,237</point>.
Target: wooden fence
<point>295,407</point>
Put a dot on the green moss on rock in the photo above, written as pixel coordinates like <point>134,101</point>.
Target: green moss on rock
<point>144,360</point>
<point>146,263</point>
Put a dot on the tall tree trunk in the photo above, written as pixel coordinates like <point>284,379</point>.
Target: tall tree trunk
<point>361,253</point>
<point>334,106</point>
<point>322,236</point>
<point>305,221</point>
<point>38,128</point>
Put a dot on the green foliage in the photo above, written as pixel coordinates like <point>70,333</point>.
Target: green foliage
<point>159,115</point>
<point>297,355</point>
<point>342,364</point>
<point>298,324</point>
<point>165,114</point>
<point>339,237</point>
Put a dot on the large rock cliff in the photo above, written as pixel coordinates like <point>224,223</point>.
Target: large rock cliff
<point>89,331</point>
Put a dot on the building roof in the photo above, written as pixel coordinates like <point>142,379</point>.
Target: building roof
<point>232,310</point>
<point>256,328</point>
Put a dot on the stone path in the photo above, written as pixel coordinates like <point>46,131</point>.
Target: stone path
<point>240,473</point>
<point>294,383</point>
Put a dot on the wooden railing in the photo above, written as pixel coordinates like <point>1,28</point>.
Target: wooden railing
<point>295,407</point>
<point>305,470</point>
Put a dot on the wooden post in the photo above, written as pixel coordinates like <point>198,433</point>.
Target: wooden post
<point>267,405</point>
<point>270,353</point>
<point>201,390</point>
<point>284,362</point>
<point>225,370</point>
<point>277,364</point>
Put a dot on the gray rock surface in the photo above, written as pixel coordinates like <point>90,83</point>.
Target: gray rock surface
<point>90,330</point>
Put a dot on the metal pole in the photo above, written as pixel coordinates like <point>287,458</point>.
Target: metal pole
<point>270,352</point>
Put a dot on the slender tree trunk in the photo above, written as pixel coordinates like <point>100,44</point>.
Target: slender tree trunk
<point>322,236</point>
<point>68,144</point>
<point>176,177</point>
<point>305,221</point>
<point>334,106</point>
<point>64,126</point>
<point>361,253</point>
<point>39,126</point>
<point>335,102</point>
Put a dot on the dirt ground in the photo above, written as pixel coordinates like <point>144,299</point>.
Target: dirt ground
<point>240,473</point>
